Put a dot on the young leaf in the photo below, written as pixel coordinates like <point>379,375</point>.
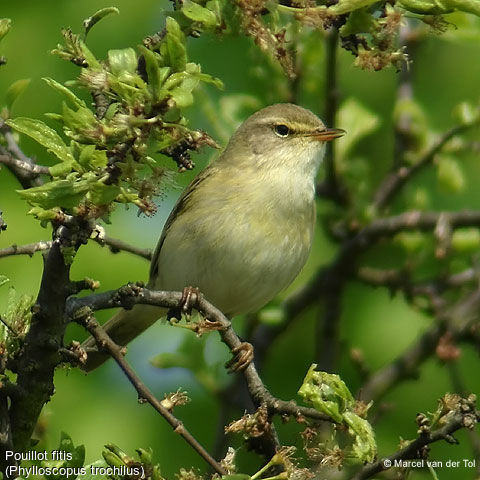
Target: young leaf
<point>15,90</point>
<point>154,73</point>
<point>59,193</point>
<point>121,61</point>
<point>66,92</point>
<point>89,22</point>
<point>200,14</point>
<point>43,134</point>
<point>76,454</point>
<point>173,48</point>
<point>3,280</point>
<point>440,7</point>
<point>5,25</point>
<point>358,121</point>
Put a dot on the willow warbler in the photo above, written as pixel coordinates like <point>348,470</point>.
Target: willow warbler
<point>242,230</point>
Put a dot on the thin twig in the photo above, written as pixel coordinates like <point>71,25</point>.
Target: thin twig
<point>456,320</point>
<point>104,342</point>
<point>345,261</point>
<point>460,388</point>
<point>117,245</point>
<point>32,168</point>
<point>128,296</point>
<point>28,249</point>
<point>25,176</point>
<point>394,181</point>
<point>414,448</point>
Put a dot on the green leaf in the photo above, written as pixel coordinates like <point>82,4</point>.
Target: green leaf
<point>358,122</point>
<point>364,446</point>
<point>466,113</point>
<point>92,469</point>
<point>43,134</point>
<point>359,21</point>
<point>173,49</point>
<point>345,6</point>
<point>15,90</point>
<point>61,169</point>
<point>42,214</point>
<point>3,280</point>
<point>91,158</point>
<point>329,394</point>
<point>5,26</point>
<point>440,7</point>
<point>89,22</point>
<point>66,92</point>
<point>466,240</point>
<point>76,454</point>
<point>81,124</point>
<point>101,194</point>
<point>411,242</point>
<point>200,14</point>
<point>450,174</point>
<point>58,193</point>
<point>124,60</point>
<point>155,74</point>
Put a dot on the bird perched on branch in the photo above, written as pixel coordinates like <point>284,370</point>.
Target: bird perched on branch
<point>242,230</point>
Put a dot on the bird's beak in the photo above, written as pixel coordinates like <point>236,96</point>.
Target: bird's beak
<point>328,134</point>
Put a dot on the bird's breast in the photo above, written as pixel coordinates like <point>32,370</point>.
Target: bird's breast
<point>239,244</point>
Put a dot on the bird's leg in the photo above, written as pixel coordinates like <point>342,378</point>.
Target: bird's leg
<point>189,296</point>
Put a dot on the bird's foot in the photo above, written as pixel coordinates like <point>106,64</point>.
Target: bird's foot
<point>242,357</point>
<point>189,297</point>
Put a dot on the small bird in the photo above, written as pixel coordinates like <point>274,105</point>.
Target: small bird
<point>242,230</point>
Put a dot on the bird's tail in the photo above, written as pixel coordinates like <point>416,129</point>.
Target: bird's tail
<point>122,329</point>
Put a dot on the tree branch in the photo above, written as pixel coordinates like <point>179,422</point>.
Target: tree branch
<point>104,342</point>
<point>130,295</point>
<point>413,450</point>
<point>28,249</point>
<point>31,168</point>
<point>19,163</point>
<point>39,356</point>
<point>117,245</point>
<point>455,320</point>
<point>395,181</point>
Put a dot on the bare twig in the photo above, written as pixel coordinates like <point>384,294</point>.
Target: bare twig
<point>104,342</point>
<point>341,267</point>
<point>28,249</point>
<point>460,388</point>
<point>400,280</point>
<point>25,176</point>
<point>127,297</point>
<point>414,448</point>
<point>32,168</point>
<point>455,320</point>
<point>117,245</point>
<point>394,182</point>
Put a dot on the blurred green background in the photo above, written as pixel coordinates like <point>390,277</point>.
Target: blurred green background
<point>102,407</point>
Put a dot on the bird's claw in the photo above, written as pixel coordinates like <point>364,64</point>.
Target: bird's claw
<point>242,357</point>
<point>189,297</point>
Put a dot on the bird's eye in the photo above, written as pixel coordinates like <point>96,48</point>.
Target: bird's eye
<point>282,130</point>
